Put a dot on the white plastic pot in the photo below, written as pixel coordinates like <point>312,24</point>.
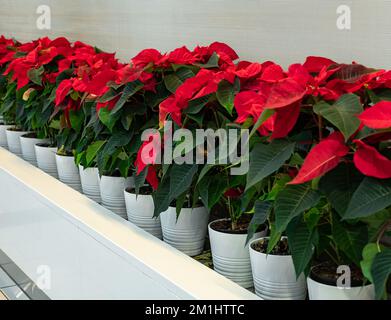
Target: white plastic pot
<point>112,193</point>
<point>3,136</point>
<point>28,148</point>
<point>275,277</point>
<point>230,255</point>
<point>140,212</point>
<point>90,181</point>
<point>320,291</point>
<point>13,141</point>
<point>186,234</point>
<point>68,171</point>
<point>46,159</point>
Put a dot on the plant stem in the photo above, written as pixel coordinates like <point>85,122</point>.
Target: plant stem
<point>381,233</point>
<point>233,225</point>
<point>331,257</point>
<point>216,118</point>
<point>320,126</point>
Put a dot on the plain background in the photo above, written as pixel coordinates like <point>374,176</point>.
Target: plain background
<point>285,31</point>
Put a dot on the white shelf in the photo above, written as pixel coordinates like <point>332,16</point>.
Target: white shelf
<point>92,253</point>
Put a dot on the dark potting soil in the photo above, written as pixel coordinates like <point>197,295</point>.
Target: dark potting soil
<point>225,225</point>
<point>15,129</point>
<point>187,204</point>
<point>326,273</point>
<point>281,249</point>
<point>144,190</point>
<point>65,154</point>
<point>30,135</point>
<point>45,145</point>
<point>116,174</point>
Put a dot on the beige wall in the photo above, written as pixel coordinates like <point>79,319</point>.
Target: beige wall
<point>283,30</point>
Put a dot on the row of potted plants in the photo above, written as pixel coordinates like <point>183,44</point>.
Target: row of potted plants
<point>311,210</point>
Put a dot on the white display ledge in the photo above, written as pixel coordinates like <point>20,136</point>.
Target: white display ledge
<point>50,230</point>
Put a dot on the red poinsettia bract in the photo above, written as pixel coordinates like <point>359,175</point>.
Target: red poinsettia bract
<point>322,158</point>
<point>371,162</point>
<point>378,116</point>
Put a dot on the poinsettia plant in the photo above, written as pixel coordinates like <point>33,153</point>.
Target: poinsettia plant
<point>191,79</point>
<point>185,88</point>
<point>318,144</point>
<point>8,48</point>
<point>349,146</point>
<point>81,81</point>
<point>35,74</point>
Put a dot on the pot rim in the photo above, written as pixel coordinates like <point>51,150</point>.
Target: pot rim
<point>321,284</point>
<point>139,195</point>
<point>19,131</point>
<point>111,177</point>
<point>289,256</point>
<point>82,167</point>
<point>23,136</point>
<point>39,146</point>
<point>65,156</point>
<point>229,233</point>
<point>331,285</point>
<point>202,206</point>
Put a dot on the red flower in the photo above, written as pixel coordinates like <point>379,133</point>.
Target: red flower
<point>146,57</point>
<point>179,56</point>
<point>7,57</point>
<point>383,81</point>
<point>284,120</point>
<point>248,104</point>
<point>233,192</point>
<point>170,106</point>
<point>377,116</point>
<point>371,162</point>
<point>204,83</point>
<point>98,85</point>
<point>247,70</point>
<point>220,47</point>
<point>127,74</point>
<point>148,152</point>
<point>272,73</point>
<point>322,158</point>
<point>316,64</point>
<point>300,74</point>
<point>19,69</point>
<point>152,177</point>
<point>284,93</point>
<point>63,90</point>
<point>109,104</point>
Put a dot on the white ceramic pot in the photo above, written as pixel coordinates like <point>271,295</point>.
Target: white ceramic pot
<point>90,181</point>
<point>275,277</point>
<point>112,193</point>
<point>13,141</point>
<point>68,172</point>
<point>187,233</point>
<point>46,159</point>
<point>320,291</point>
<point>230,255</point>
<point>140,212</point>
<point>3,136</point>
<point>28,150</point>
